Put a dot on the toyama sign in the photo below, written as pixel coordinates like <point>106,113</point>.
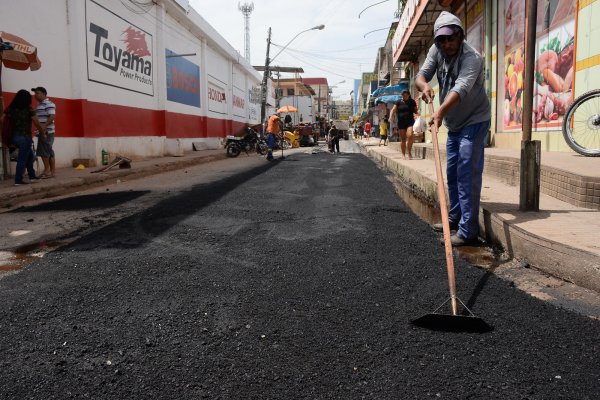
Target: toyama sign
<point>119,54</point>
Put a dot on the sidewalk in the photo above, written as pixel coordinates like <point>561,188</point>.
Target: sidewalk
<point>70,180</point>
<point>561,239</point>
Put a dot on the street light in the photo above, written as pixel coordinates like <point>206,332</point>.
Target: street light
<point>268,62</point>
<point>318,27</point>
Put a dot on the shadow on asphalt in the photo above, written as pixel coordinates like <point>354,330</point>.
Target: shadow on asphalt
<point>164,215</point>
<point>85,202</point>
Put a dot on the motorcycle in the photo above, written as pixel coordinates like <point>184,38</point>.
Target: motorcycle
<point>249,142</point>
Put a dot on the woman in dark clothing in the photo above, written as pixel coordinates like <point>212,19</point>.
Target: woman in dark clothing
<point>21,117</point>
<point>406,110</point>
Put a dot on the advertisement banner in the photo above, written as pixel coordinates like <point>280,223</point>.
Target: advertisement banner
<point>254,95</point>
<point>183,80</point>
<point>119,53</point>
<point>554,64</point>
<point>475,32</point>
<point>514,63</point>
<point>239,102</point>
<point>367,77</point>
<point>217,100</point>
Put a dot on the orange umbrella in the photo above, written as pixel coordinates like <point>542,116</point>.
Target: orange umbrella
<point>15,53</point>
<point>286,109</point>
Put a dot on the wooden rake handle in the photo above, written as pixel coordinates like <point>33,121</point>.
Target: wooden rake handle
<point>441,189</point>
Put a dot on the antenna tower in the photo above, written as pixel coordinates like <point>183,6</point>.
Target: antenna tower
<point>246,9</point>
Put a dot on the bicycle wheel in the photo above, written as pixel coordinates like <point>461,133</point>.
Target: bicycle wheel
<point>581,126</point>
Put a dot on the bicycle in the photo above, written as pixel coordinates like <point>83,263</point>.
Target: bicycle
<point>581,125</point>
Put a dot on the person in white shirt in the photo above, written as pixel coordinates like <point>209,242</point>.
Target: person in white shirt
<point>46,113</point>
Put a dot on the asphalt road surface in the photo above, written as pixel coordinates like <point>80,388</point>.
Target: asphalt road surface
<point>295,279</point>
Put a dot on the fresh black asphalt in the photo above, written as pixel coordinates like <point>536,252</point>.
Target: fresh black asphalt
<point>296,280</point>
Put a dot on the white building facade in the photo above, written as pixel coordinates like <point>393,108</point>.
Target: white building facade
<point>140,81</point>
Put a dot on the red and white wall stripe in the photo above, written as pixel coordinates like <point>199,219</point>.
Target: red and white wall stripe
<point>138,82</point>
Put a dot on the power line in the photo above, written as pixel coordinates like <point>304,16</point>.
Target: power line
<point>325,70</point>
<point>366,45</point>
<point>143,7</point>
<point>321,56</point>
<point>331,64</point>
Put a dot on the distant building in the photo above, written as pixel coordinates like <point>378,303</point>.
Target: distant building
<point>295,92</point>
<point>321,100</point>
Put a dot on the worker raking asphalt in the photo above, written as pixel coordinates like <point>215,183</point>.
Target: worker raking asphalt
<point>294,280</point>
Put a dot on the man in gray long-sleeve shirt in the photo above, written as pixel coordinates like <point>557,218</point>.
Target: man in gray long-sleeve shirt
<point>465,110</point>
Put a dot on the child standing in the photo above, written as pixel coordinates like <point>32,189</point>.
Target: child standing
<point>383,131</point>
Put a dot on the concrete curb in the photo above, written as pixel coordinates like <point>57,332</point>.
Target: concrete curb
<point>562,261</point>
<point>565,262</point>
<point>70,185</point>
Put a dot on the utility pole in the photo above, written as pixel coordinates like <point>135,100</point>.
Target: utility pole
<point>268,61</point>
<point>263,104</point>
<point>319,103</point>
<point>529,197</point>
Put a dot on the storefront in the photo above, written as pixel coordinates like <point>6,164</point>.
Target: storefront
<point>555,71</point>
<point>566,64</point>
<point>138,81</point>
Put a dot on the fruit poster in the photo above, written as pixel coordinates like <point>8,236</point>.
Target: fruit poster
<point>554,63</point>
<point>514,63</point>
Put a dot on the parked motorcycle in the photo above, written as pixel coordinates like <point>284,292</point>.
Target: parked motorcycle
<point>249,142</point>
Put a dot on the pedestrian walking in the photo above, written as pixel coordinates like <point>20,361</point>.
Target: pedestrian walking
<point>465,110</point>
<point>273,132</point>
<point>287,122</point>
<point>405,110</point>
<point>334,140</point>
<point>383,131</point>
<point>368,128</point>
<point>46,113</point>
<point>20,116</point>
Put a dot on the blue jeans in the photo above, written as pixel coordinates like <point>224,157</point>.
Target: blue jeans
<point>270,144</point>
<point>464,151</point>
<point>25,158</point>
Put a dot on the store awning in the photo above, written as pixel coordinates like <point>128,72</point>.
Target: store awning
<point>418,36</point>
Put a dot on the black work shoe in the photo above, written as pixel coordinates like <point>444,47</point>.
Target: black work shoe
<point>440,227</point>
<point>457,241</point>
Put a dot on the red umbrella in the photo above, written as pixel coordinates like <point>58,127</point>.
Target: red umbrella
<point>15,53</point>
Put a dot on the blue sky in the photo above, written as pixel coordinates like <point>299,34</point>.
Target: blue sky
<point>339,52</point>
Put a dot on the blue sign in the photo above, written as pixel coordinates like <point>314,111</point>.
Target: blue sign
<point>183,80</point>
